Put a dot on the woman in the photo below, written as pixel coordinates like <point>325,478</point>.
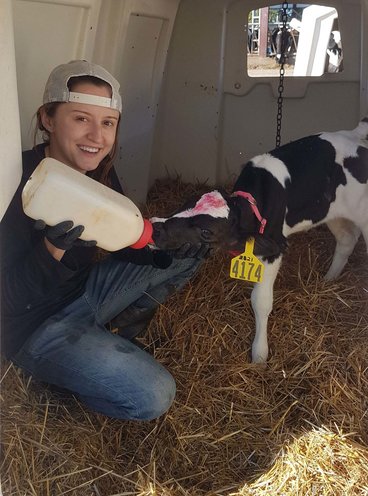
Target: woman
<point>56,301</point>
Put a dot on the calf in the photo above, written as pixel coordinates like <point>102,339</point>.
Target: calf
<point>318,179</point>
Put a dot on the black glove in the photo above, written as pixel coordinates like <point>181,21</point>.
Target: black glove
<point>189,250</point>
<point>145,256</point>
<point>63,235</point>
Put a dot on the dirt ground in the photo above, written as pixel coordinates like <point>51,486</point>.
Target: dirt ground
<point>266,66</point>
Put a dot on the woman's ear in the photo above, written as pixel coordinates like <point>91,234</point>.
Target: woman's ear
<point>47,121</point>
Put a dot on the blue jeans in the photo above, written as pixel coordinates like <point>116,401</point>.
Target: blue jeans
<point>109,374</point>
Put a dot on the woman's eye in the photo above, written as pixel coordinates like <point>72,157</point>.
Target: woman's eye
<point>82,119</point>
<point>109,123</point>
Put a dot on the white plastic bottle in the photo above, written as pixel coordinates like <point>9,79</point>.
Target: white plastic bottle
<point>56,192</point>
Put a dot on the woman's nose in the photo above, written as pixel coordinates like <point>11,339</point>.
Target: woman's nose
<point>95,133</point>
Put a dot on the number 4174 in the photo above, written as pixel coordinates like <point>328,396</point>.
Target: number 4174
<point>247,270</point>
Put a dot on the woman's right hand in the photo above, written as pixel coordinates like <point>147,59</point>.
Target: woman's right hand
<point>62,237</point>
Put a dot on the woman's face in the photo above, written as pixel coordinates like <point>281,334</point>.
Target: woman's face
<point>81,135</point>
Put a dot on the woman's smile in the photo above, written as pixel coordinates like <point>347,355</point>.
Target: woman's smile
<point>88,149</point>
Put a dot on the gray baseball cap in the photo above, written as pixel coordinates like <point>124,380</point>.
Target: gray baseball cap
<point>56,89</point>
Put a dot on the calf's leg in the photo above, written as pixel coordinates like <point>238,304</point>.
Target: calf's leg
<point>364,229</point>
<point>262,303</point>
<point>347,235</point>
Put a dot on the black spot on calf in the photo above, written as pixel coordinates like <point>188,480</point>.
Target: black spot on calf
<point>358,166</point>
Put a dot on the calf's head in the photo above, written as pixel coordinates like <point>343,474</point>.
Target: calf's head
<point>202,219</point>
<point>215,218</point>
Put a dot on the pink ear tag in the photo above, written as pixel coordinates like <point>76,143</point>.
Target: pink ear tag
<point>246,266</point>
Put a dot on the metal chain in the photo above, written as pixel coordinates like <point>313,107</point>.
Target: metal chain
<point>285,6</point>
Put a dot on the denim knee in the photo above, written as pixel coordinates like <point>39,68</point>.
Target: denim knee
<point>149,400</point>
<point>146,403</point>
<point>156,400</point>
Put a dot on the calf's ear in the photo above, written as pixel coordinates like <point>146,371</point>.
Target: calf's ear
<point>188,203</point>
<point>240,208</point>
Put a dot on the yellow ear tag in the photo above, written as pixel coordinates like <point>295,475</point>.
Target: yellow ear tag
<point>246,266</point>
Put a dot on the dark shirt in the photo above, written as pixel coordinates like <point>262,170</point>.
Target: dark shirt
<point>34,285</point>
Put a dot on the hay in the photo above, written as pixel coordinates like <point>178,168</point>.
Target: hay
<point>296,426</point>
<point>334,466</point>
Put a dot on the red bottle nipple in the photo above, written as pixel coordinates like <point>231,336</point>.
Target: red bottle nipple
<point>146,236</point>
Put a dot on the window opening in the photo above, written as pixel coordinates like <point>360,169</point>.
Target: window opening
<point>313,46</point>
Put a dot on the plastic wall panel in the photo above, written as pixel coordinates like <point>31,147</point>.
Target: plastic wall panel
<point>140,87</point>
<point>189,115</point>
<point>214,117</point>
<point>48,33</point>
<point>10,170</point>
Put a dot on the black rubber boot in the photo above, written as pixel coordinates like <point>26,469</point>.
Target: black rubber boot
<point>133,321</point>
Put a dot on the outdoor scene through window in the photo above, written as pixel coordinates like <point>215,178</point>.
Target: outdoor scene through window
<point>310,45</point>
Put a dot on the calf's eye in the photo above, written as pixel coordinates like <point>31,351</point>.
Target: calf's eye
<point>206,233</point>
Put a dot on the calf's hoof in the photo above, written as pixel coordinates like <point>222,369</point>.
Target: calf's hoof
<point>330,276</point>
<point>259,359</point>
<point>259,355</point>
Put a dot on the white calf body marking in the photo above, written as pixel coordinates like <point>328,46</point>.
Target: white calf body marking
<point>274,166</point>
<point>345,145</point>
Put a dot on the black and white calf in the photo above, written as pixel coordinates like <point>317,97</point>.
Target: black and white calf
<point>318,179</point>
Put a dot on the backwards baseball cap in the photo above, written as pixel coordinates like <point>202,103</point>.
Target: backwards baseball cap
<point>56,89</point>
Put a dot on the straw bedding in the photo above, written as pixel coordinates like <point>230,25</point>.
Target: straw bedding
<point>296,426</point>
